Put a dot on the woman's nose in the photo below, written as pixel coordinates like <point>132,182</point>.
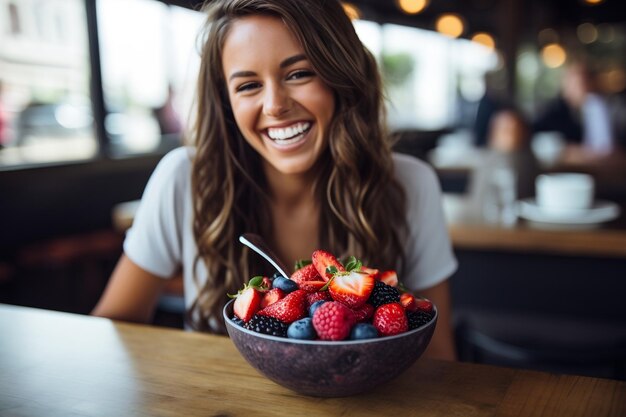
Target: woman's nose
<point>276,101</point>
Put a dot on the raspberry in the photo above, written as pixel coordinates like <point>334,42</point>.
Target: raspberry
<point>333,321</point>
<point>383,294</point>
<point>390,319</point>
<point>418,318</point>
<point>267,325</point>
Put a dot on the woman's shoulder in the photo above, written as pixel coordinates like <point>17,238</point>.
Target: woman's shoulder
<point>178,158</point>
<point>175,165</point>
<point>173,173</point>
<point>410,170</point>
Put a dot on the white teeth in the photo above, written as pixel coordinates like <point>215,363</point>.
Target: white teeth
<point>284,134</point>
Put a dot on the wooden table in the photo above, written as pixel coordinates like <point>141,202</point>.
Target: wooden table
<point>59,364</point>
<point>470,231</point>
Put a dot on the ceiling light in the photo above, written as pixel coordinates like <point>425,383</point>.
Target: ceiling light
<point>450,25</point>
<point>351,10</point>
<point>484,39</point>
<point>587,33</point>
<point>553,55</point>
<point>547,35</point>
<point>412,6</point>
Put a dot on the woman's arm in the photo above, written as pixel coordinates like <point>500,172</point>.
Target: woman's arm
<point>442,343</point>
<point>131,294</point>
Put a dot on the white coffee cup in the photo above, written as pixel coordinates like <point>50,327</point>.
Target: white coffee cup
<point>564,192</point>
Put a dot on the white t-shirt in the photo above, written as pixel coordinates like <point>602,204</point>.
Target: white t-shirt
<point>161,238</point>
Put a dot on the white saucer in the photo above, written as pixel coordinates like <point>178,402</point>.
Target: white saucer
<point>601,211</point>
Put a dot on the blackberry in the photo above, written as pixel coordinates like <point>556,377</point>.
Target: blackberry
<point>418,318</point>
<point>383,294</point>
<point>267,325</point>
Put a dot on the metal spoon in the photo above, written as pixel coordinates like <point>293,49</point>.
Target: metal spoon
<point>257,244</point>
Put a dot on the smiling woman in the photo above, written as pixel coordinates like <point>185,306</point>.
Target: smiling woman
<point>289,143</point>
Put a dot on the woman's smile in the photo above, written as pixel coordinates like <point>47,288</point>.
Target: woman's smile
<point>289,137</point>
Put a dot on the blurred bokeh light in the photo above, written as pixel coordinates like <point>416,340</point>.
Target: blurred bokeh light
<point>553,55</point>
<point>484,39</point>
<point>450,25</point>
<point>351,10</point>
<point>412,6</point>
<point>587,33</point>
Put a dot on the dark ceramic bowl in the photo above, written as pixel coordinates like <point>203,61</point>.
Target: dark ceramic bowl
<point>329,369</point>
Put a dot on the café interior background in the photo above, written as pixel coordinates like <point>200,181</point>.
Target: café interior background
<point>94,92</point>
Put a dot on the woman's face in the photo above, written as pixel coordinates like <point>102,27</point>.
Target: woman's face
<point>282,108</point>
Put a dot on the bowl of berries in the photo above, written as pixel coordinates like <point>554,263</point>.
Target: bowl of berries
<point>332,329</point>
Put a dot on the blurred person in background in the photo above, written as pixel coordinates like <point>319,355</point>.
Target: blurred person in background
<point>580,113</point>
<point>508,150</point>
<point>490,103</point>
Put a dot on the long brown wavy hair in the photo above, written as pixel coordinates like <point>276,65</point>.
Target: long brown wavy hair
<point>362,206</point>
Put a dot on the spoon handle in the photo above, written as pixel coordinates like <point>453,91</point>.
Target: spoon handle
<point>257,244</point>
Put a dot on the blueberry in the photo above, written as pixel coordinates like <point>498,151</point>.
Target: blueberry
<point>276,275</point>
<point>314,307</point>
<point>285,284</point>
<point>302,329</point>
<point>363,331</point>
<point>238,321</point>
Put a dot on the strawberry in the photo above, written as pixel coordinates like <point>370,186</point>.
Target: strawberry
<point>247,303</point>
<point>312,286</point>
<point>308,278</point>
<point>323,260</point>
<point>351,288</point>
<point>306,273</point>
<point>288,309</point>
<point>317,296</point>
<point>408,301</point>
<point>363,313</point>
<point>272,296</point>
<point>371,271</point>
<point>389,278</point>
<point>424,304</point>
<point>248,300</point>
<point>390,319</point>
<point>333,321</point>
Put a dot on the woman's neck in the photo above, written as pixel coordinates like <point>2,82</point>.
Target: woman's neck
<point>290,190</point>
<point>295,215</point>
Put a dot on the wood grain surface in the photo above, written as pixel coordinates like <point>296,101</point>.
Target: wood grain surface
<point>59,364</point>
<point>592,243</point>
<point>470,231</point>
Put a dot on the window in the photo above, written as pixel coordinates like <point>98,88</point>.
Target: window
<point>148,78</point>
<point>426,74</point>
<point>45,110</point>
<point>148,72</point>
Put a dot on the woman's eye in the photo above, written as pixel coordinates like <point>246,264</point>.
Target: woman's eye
<point>296,75</point>
<point>247,87</point>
